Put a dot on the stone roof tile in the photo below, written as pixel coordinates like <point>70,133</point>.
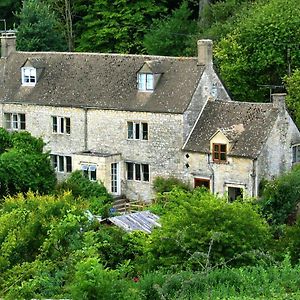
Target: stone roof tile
<point>257,120</point>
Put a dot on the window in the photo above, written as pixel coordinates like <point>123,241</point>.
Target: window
<point>137,131</point>
<point>28,76</point>
<point>139,172</point>
<point>61,163</point>
<point>234,193</point>
<point>14,121</point>
<point>89,171</point>
<point>61,125</point>
<point>219,152</point>
<point>145,82</point>
<point>296,153</point>
<point>201,182</point>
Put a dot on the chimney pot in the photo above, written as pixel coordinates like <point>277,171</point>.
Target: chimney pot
<point>205,52</point>
<point>8,43</point>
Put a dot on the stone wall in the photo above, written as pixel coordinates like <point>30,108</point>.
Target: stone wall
<point>105,131</point>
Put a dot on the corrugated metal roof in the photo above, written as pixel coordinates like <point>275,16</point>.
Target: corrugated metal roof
<point>143,220</point>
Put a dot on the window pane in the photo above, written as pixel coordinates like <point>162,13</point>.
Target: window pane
<point>142,82</point>
<point>145,131</point>
<point>93,175</point>
<point>297,153</point>
<point>223,148</point>
<point>223,156</point>
<point>68,125</point>
<point>7,118</point>
<point>149,84</point>
<point>216,147</point>
<point>62,121</point>
<point>22,122</point>
<point>145,169</point>
<point>60,163</point>
<point>130,130</point>
<point>137,172</point>
<point>129,171</point>
<point>216,156</point>
<point>54,161</point>
<point>15,121</point>
<point>69,164</point>
<point>137,131</point>
<point>54,124</point>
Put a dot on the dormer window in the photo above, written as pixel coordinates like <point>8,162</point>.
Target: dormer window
<point>145,82</point>
<point>28,76</point>
<point>219,152</point>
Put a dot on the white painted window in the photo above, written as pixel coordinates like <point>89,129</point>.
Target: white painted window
<point>137,130</point>
<point>296,153</point>
<point>89,171</point>
<point>14,121</point>
<point>139,172</point>
<point>28,76</point>
<point>61,125</point>
<point>145,82</point>
<point>61,163</point>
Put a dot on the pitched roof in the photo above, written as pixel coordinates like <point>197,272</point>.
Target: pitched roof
<point>250,124</point>
<point>106,81</point>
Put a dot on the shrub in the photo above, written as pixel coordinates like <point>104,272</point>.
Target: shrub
<point>163,185</point>
<point>281,196</point>
<point>202,230</point>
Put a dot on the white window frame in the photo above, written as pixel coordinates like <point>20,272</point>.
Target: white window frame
<point>14,121</point>
<point>296,153</point>
<point>28,76</point>
<point>145,82</point>
<point>61,164</point>
<point>138,172</point>
<point>90,171</point>
<point>137,131</point>
<point>61,125</point>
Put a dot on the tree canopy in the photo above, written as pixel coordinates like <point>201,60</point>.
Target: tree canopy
<point>23,165</point>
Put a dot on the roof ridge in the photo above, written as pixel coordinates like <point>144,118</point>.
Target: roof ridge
<point>109,54</point>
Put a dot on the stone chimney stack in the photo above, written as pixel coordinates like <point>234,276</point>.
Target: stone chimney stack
<point>8,43</point>
<point>205,52</point>
<point>279,101</point>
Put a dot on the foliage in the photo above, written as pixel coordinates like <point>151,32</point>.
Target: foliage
<point>163,185</point>
<point>171,35</point>
<point>293,98</point>
<point>24,166</point>
<point>39,28</point>
<point>118,26</point>
<point>7,10</point>
<point>5,140</point>
<point>255,52</point>
<point>202,230</point>
<point>259,282</point>
<point>99,200</point>
<point>281,196</point>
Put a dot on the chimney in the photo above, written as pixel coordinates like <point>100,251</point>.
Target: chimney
<point>8,43</point>
<point>279,101</point>
<point>205,53</point>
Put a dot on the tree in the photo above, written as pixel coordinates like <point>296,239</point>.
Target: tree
<point>8,8</point>
<point>293,98</point>
<point>39,28</point>
<point>117,26</point>
<point>255,52</point>
<point>202,230</point>
<point>171,35</point>
<point>24,166</point>
<point>281,196</point>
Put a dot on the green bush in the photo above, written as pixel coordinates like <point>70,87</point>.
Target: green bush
<point>202,230</point>
<point>163,185</point>
<point>98,199</point>
<point>281,196</point>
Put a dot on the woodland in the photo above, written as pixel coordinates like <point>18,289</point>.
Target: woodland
<point>207,247</point>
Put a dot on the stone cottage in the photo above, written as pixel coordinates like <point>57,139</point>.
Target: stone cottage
<point>123,119</point>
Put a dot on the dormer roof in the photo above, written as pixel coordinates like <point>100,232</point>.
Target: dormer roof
<point>152,66</point>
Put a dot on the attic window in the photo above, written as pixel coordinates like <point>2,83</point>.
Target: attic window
<point>219,152</point>
<point>28,76</point>
<point>296,153</point>
<point>145,82</point>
